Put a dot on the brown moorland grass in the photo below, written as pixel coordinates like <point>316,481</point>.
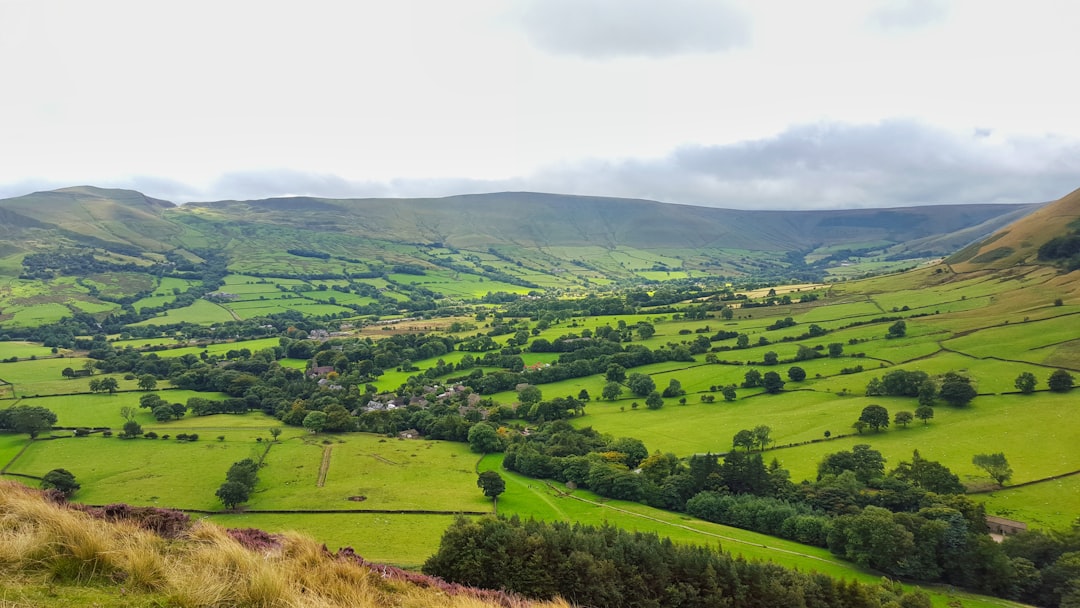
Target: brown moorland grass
<point>53,555</point>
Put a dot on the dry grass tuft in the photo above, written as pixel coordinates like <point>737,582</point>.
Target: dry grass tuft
<point>42,543</point>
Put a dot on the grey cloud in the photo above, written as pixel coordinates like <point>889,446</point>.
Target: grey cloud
<point>605,29</point>
<point>826,165</point>
<point>893,163</point>
<point>908,14</point>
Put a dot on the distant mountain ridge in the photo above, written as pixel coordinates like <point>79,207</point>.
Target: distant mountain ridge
<point>552,230</point>
<point>538,220</point>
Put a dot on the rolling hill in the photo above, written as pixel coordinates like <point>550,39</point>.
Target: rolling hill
<point>512,232</point>
<point>1019,242</point>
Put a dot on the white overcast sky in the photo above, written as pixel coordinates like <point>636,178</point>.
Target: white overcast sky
<point>773,104</point>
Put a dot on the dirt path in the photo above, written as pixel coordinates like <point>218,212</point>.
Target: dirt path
<point>324,467</point>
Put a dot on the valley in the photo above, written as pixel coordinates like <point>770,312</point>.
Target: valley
<point>253,338</point>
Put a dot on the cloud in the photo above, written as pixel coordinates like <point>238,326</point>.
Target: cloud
<point>833,165</point>
<point>908,14</point>
<point>603,29</point>
<point>814,166</point>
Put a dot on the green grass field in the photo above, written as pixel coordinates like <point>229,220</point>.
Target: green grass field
<point>155,472</point>
<point>200,312</point>
<point>103,409</point>
<point>1051,504</point>
<point>22,350</point>
<point>388,473</point>
<point>400,539</point>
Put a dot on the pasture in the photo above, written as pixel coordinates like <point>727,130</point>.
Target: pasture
<point>103,409</point>
<point>401,539</point>
<point>152,472</point>
<point>387,473</point>
<point>201,312</point>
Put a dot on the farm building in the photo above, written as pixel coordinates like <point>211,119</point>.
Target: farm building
<point>1004,527</point>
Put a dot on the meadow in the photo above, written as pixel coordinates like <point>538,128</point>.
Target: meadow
<point>964,330</point>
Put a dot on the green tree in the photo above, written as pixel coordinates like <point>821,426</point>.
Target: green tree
<point>232,493</point>
<point>673,389</point>
<point>1060,381</point>
<point>178,410</point>
<point>903,418</point>
<point>805,353</point>
<point>771,358</point>
<point>836,349</point>
<point>654,401</point>
<point>927,393</point>
<point>995,465</point>
<point>1025,383</point>
<point>929,475</point>
<point>163,413</point>
<point>762,436</point>
<point>147,382</point>
<point>314,421</point>
<point>645,330</point>
<point>743,439</point>
<point>640,384</point>
<point>530,395</point>
<point>751,379</point>
<point>897,330</point>
<point>583,395</point>
<point>31,420</point>
<point>612,391</point>
<point>633,448</point>
<point>742,341</point>
<point>61,480</point>
<point>67,372</point>
<point>151,401</point>
<point>275,432</point>
<point>956,390</point>
<point>615,373</point>
<point>729,392</point>
<point>796,374</point>
<point>243,471</point>
<point>109,385</point>
<point>492,484</point>
<point>484,439</point>
<point>132,429</point>
<point>875,417</point>
<point>924,413</point>
<point>772,382</point>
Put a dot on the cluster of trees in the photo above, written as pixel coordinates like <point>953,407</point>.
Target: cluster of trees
<point>1063,249</point>
<point>954,388</point>
<point>609,567</point>
<point>876,417</point>
<point>29,419</point>
<point>1047,566</point>
<point>240,481</point>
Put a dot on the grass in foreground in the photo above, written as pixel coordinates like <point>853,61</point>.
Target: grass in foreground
<point>51,555</point>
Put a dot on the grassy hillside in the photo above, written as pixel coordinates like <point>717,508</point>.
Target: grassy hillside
<point>51,555</point>
<point>1019,242</point>
<point>538,240</point>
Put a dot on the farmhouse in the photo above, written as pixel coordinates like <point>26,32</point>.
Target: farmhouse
<point>320,370</point>
<point>1004,527</point>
